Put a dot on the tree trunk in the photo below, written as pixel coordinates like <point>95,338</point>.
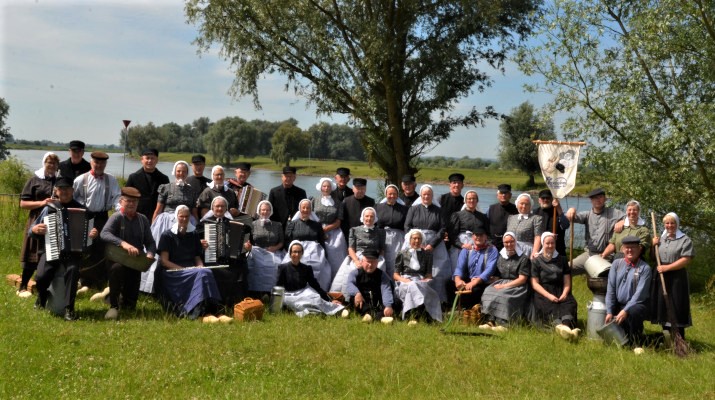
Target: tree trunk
<point>532,182</point>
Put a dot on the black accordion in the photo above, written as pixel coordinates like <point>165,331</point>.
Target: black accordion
<point>67,232</point>
<point>224,241</point>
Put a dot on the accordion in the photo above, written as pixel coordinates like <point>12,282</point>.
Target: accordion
<point>224,241</point>
<point>67,232</point>
<point>248,199</point>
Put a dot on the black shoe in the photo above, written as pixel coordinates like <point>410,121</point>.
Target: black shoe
<point>69,315</point>
<point>39,304</point>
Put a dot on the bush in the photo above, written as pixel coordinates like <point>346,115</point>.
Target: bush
<point>13,175</point>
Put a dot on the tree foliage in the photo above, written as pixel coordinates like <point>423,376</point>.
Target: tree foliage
<point>396,67</point>
<point>231,137</point>
<point>517,131</point>
<point>288,143</point>
<point>5,135</point>
<point>335,141</point>
<point>638,78</point>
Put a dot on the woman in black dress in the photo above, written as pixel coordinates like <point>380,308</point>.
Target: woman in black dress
<point>554,303</point>
<point>305,228</point>
<point>36,194</point>
<point>266,253</point>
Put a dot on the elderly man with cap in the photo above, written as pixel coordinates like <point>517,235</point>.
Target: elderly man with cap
<point>627,294</point>
<point>286,197</point>
<point>75,165</point>
<point>409,194</point>
<point>370,288</point>
<point>547,204</point>
<point>342,177</point>
<point>498,214</point>
<point>47,270</point>
<point>475,267</point>
<point>600,221</point>
<point>197,180</point>
<point>147,180</point>
<point>98,192</point>
<point>131,231</point>
<point>353,206</point>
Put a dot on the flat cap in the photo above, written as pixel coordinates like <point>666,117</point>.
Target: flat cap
<point>99,155</point>
<point>244,166</point>
<point>596,192</point>
<point>408,178</point>
<point>198,158</point>
<point>504,188</point>
<point>456,177</point>
<point>289,170</point>
<point>342,171</point>
<point>545,194</point>
<point>77,145</point>
<point>129,191</point>
<point>64,182</point>
<point>630,239</point>
<point>150,151</point>
<point>359,182</point>
<point>370,253</point>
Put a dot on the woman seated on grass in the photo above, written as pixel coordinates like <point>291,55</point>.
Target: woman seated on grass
<point>413,272</point>
<point>506,299</point>
<point>303,293</point>
<point>551,280</point>
<point>192,291</point>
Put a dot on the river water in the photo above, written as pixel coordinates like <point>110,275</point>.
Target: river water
<point>264,180</point>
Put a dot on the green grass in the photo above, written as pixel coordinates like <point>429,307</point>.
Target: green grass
<point>149,354</point>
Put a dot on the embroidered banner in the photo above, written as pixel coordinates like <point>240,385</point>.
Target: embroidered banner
<point>559,162</point>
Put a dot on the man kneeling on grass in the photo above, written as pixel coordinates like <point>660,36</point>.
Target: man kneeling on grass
<point>370,288</point>
<point>68,259</point>
<point>627,293</point>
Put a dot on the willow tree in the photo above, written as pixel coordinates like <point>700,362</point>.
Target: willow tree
<point>397,68</point>
<point>639,77</point>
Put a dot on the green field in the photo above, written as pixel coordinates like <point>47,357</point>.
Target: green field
<point>152,355</point>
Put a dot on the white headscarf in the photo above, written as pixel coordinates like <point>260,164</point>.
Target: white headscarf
<point>678,232</point>
<point>175,227</point>
<point>40,173</point>
<point>640,221</point>
<point>362,214</point>
<point>418,201</point>
<point>313,216</point>
<point>399,200</point>
<point>225,181</point>
<point>519,250</point>
<point>298,242</point>
<point>528,196</point>
<point>258,210</point>
<point>414,262</point>
<point>210,212</point>
<point>464,206</point>
<point>543,238</point>
<point>180,182</point>
<point>326,200</point>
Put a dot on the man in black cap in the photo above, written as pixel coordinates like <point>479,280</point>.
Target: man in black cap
<point>98,192</point>
<point>342,177</point>
<point>197,180</point>
<point>286,197</point>
<point>547,205</point>
<point>353,206</point>
<point>627,293</point>
<point>498,214</point>
<point>600,221</point>
<point>148,179</point>
<point>475,268</point>
<point>131,231</point>
<point>370,289</point>
<point>47,270</point>
<point>453,201</point>
<point>75,165</point>
<point>409,195</point>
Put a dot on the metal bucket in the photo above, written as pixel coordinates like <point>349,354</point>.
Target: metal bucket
<point>596,317</point>
<point>597,266</point>
<point>276,303</point>
<point>613,333</point>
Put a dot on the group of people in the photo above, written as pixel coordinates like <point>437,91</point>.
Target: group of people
<point>408,254</point>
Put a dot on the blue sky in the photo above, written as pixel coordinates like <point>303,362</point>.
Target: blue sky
<point>76,69</point>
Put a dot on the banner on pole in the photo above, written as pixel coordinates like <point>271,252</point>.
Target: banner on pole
<point>559,162</point>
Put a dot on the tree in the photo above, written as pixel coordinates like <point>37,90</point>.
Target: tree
<point>230,137</point>
<point>639,80</point>
<point>289,143</point>
<point>5,135</point>
<point>396,67</point>
<point>517,130</point>
<point>336,141</point>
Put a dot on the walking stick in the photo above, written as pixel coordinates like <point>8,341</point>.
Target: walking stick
<point>571,229</point>
<point>680,347</point>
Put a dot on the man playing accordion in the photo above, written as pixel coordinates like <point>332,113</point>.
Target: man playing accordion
<point>66,258</point>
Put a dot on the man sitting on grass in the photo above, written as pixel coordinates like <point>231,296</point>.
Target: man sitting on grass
<point>370,288</point>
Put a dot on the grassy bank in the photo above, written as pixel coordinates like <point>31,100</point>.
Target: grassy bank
<point>151,355</point>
